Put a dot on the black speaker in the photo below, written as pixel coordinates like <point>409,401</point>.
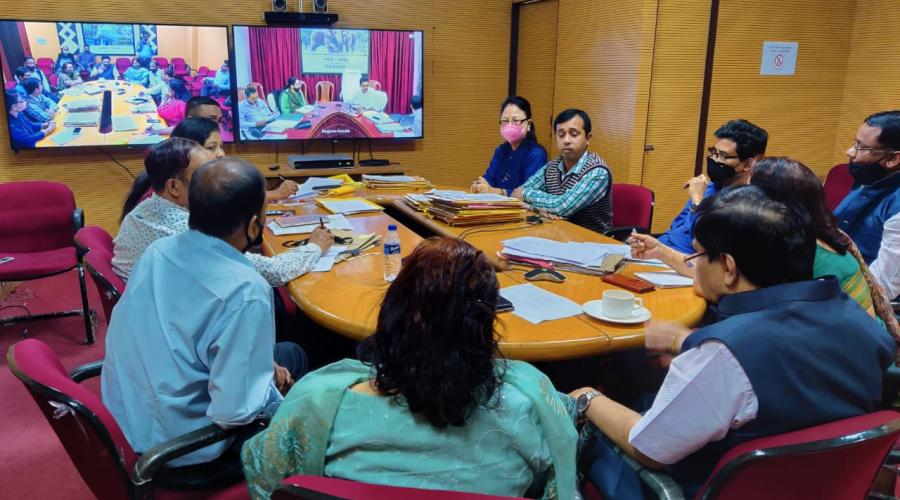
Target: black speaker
<point>320,6</point>
<point>279,5</point>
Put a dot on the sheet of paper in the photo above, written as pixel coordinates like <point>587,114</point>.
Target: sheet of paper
<point>666,280</point>
<point>279,126</point>
<point>314,183</point>
<point>536,305</point>
<point>529,246</point>
<point>622,250</point>
<point>349,206</point>
<point>83,104</point>
<point>82,119</point>
<point>388,178</point>
<point>326,261</point>
<point>338,223</point>
<point>123,123</point>
<point>64,136</point>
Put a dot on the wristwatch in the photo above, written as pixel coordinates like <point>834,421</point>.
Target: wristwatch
<point>584,401</point>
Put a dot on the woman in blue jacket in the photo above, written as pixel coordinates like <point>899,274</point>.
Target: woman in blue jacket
<point>519,157</point>
<point>25,133</point>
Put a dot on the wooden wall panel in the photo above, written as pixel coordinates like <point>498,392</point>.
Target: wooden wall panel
<point>465,71</point>
<point>800,112</point>
<point>675,97</point>
<point>537,64</point>
<point>872,81</point>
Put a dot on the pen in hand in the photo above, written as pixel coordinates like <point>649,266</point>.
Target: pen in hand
<point>321,223</point>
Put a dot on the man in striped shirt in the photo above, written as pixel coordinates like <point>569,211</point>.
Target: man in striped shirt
<point>577,185</point>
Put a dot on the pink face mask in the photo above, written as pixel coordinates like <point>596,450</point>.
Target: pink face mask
<point>512,132</point>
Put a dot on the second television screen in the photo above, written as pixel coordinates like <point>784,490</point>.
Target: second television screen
<point>327,83</point>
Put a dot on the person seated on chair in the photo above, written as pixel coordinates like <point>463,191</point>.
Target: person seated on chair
<point>37,72</point>
<point>68,77</point>
<point>171,106</point>
<point>218,85</point>
<point>137,73</point>
<point>729,163</point>
<point>780,358</point>
<point>167,169</point>
<point>254,112</point>
<point>369,98</point>
<point>86,59</point>
<point>292,98</point>
<point>577,185</point>
<point>25,133</point>
<point>65,55</point>
<point>517,159</point>
<point>886,268</point>
<point>156,81</point>
<point>105,70</point>
<point>415,107</point>
<point>875,167</point>
<point>431,404</point>
<point>41,109</point>
<point>197,295</point>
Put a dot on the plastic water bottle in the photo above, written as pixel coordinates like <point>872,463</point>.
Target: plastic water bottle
<point>391,254</point>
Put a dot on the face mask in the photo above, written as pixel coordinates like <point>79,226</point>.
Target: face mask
<point>868,173</point>
<point>512,133</point>
<point>255,241</point>
<point>719,173</point>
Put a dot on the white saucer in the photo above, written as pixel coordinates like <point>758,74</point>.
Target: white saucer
<point>594,309</point>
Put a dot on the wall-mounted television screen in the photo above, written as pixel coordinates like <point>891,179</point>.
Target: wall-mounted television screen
<point>71,84</point>
<point>327,83</point>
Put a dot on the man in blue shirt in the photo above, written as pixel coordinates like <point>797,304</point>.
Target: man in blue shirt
<point>191,341</point>
<point>254,112</point>
<point>740,143</point>
<point>787,352</point>
<point>219,84</point>
<point>875,167</point>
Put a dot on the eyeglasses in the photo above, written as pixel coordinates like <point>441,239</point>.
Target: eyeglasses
<point>717,154</point>
<point>688,258</point>
<point>856,147</point>
<point>514,121</point>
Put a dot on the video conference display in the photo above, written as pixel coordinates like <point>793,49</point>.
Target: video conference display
<point>99,84</point>
<point>327,83</point>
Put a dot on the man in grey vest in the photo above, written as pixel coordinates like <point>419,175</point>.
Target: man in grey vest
<point>577,185</point>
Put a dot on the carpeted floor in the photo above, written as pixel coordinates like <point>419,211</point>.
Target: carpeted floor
<point>33,463</point>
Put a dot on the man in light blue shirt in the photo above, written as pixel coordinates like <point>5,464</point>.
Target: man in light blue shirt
<point>254,113</point>
<point>191,341</point>
<point>219,84</point>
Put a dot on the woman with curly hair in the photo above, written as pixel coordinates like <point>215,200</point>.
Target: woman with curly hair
<point>430,405</point>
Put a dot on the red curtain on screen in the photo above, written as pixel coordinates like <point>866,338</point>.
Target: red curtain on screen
<point>391,63</point>
<point>274,56</point>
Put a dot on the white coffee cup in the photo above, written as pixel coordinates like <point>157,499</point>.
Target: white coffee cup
<point>620,304</point>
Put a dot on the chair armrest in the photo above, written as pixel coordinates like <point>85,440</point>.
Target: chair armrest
<point>661,483</point>
<point>86,371</point>
<point>78,219</point>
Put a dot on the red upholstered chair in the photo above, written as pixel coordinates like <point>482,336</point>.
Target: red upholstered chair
<point>45,64</point>
<point>833,461</point>
<point>324,488</point>
<point>162,62</point>
<point>838,184</point>
<point>632,209</point>
<point>54,80</point>
<point>10,85</point>
<point>122,65</point>
<point>38,220</point>
<point>202,71</point>
<point>91,437</point>
<point>324,91</point>
<point>97,247</point>
<point>181,67</point>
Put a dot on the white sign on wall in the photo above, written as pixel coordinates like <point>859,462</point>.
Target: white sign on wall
<point>778,58</point>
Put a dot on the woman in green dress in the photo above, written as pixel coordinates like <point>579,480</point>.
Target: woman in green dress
<point>431,405</point>
<point>292,98</point>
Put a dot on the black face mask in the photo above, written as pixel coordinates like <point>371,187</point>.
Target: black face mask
<point>868,173</point>
<point>255,241</point>
<point>719,173</point>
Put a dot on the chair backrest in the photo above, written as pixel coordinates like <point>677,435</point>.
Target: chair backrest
<point>632,206</point>
<point>832,461</point>
<point>109,284</point>
<point>374,84</point>
<point>10,85</point>
<point>838,184</point>
<point>210,73</point>
<point>162,62</point>
<point>93,238</point>
<point>122,64</point>
<point>53,79</point>
<point>45,63</point>
<point>82,423</point>
<point>202,71</point>
<point>324,91</point>
<point>273,104</point>
<point>321,488</point>
<point>303,90</point>
<point>178,62</point>
<point>36,216</point>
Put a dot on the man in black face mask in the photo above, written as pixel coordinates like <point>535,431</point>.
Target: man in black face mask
<point>874,164</point>
<point>739,144</point>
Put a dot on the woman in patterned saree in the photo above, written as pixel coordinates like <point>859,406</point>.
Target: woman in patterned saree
<point>431,405</point>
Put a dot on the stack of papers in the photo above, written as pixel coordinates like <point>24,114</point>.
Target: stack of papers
<point>82,105</point>
<point>88,119</point>
<point>92,90</point>
<point>378,116</point>
<point>389,127</point>
<point>395,182</point>
<point>72,91</point>
<point>666,280</point>
<point>419,202</point>
<point>348,206</point>
<point>536,305</point>
<point>540,252</point>
<point>458,208</point>
<point>306,109</point>
<point>305,224</point>
<point>625,251</point>
<point>279,126</point>
<point>147,107</point>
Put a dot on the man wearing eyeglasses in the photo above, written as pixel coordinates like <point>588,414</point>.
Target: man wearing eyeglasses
<point>874,164</point>
<point>729,162</point>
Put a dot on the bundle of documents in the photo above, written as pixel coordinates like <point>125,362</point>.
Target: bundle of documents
<point>458,208</point>
<point>279,126</point>
<point>584,258</point>
<point>378,116</point>
<point>666,279</point>
<point>305,224</point>
<point>348,206</point>
<point>147,107</point>
<point>419,202</point>
<point>82,105</point>
<point>395,182</point>
<point>88,119</point>
<point>72,91</point>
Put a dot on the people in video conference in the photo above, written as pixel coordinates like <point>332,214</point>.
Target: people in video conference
<point>137,73</point>
<point>368,97</point>
<point>254,111</point>
<point>68,77</point>
<point>292,98</point>
<point>218,85</point>
<point>104,70</point>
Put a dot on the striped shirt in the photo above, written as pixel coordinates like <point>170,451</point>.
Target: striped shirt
<point>582,192</point>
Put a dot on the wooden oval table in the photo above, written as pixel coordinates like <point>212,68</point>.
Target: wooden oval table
<point>346,299</point>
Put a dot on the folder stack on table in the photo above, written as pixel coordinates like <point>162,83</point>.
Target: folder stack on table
<point>458,208</point>
<point>399,182</point>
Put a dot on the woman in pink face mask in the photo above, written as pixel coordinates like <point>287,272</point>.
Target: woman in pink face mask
<point>519,157</point>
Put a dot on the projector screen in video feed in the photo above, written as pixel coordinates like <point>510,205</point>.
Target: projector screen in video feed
<point>327,83</point>
<point>70,84</point>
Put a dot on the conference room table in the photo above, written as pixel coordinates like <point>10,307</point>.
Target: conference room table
<point>333,120</point>
<point>346,299</point>
<point>90,135</point>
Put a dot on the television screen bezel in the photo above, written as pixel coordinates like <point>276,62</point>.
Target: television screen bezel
<point>91,21</point>
<point>234,87</point>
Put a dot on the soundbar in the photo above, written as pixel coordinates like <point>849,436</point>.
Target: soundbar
<point>295,18</point>
<point>320,161</point>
